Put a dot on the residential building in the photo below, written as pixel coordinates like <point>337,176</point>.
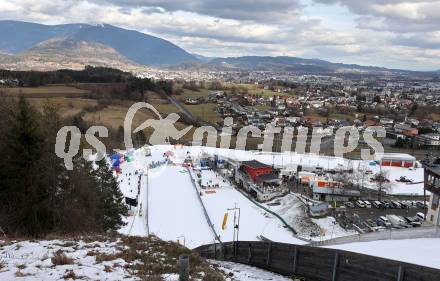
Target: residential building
<point>431,139</point>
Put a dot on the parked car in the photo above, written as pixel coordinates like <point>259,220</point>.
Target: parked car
<point>360,204</point>
<point>349,204</point>
<point>377,204</point>
<point>386,204</point>
<point>412,221</point>
<point>367,204</point>
<point>396,204</point>
<point>421,204</point>
<point>371,222</point>
<point>383,221</point>
<point>404,204</point>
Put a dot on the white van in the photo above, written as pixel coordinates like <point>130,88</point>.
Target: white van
<point>420,216</point>
<point>367,204</point>
<point>397,221</point>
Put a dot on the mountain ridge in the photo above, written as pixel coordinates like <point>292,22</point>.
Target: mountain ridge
<point>136,46</point>
<point>132,48</point>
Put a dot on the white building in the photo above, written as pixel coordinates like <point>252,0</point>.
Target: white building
<point>396,160</point>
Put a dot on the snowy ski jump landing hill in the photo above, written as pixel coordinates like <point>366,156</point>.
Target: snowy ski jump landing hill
<point>170,208</point>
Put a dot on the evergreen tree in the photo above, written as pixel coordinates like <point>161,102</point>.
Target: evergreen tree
<point>53,165</point>
<point>110,206</point>
<point>140,139</point>
<point>76,199</point>
<point>24,191</point>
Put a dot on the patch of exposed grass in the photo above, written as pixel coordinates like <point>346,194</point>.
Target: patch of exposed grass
<point>153,257</point>
<point>70,274</point>
<point>61,259</point>
<point>21,266</point>
<point>21,274</point>
<point>49,91</point>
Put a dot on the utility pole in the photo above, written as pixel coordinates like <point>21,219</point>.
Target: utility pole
<point>236,227</point>
<point>148,227</point>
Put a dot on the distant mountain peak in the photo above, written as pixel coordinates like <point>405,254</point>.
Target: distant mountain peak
<point>138,47</point>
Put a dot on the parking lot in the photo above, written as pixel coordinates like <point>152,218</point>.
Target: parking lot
<point>374,213</point>
<point>367,218</point>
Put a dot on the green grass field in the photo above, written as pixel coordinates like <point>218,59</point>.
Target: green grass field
<point>206,112</point>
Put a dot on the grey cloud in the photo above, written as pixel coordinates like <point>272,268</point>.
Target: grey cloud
<point>269,11</point>
<point>396,15</point>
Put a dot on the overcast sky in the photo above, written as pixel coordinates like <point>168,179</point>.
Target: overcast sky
<point>390,33</point>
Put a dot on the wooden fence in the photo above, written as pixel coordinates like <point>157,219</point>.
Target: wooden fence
<point>317,264</point>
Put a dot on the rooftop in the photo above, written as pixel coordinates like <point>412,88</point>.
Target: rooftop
<point>268,178</point>
<point>254,164</point>
<point>395,156</point>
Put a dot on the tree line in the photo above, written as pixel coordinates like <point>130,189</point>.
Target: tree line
<point>133,87</point>
<point>38,195</point>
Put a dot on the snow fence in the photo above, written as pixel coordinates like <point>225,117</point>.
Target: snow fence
<point>316,264</point>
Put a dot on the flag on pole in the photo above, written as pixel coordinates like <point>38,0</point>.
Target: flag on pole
<point>225,221</point>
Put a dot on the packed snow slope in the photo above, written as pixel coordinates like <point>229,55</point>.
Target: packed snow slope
<point>174,210</point>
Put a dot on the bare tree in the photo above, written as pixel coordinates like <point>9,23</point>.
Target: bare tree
<point>382,183</point>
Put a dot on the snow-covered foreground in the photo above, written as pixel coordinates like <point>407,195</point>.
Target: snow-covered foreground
<point>423,251</point>
<point>100,258</point>
<point>241,272</point>
<point>33,261</point>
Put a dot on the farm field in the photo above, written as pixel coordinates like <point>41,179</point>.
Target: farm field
<point>49,91</point>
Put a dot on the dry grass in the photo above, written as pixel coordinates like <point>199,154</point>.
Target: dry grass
<point>67,106</point>
<point>155,257</point>
<point>152,278</point>
<point>21,266</point>
<point>206,112</point>
<point>21,274</point>
<point>50,91</point>
<point>61,259</point>
<point>70,275</point>
<point>435,116</point>
<point>107,268</point>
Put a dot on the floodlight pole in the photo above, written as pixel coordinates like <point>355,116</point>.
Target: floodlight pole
<point>184,240</point>
<point>236,226</point>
